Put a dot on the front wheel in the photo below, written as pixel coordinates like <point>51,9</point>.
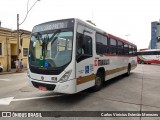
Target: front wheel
<point>98,82</point>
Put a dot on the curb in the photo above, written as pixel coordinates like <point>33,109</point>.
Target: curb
<point>12,72</point>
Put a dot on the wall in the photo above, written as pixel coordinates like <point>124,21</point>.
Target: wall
<point>11,47</point>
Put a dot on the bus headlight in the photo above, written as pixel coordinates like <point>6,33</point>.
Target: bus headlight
<point>65,76</point>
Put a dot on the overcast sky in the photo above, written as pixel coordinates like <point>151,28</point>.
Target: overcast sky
<point>118,17</point>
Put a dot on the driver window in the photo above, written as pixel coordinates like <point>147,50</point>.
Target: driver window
<point>84,44</point>
<point>80,46</point>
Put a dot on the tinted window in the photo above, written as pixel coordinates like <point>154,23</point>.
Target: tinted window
<point>130,50</point>
<point>120,48</point>
<point>112,42</point>
<point>84,44</point>
<point>134,50</point>
<point>149,53</point>
<point>112,47</point>
<point>101,44</point>
<point>88,45</point>
<point>126,49</point>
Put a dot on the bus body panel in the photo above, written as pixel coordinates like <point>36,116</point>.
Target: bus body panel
<point>84,71</point>
<point>148,56</point>
<point>65,87</point>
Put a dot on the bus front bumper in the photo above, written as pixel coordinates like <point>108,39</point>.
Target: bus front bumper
<point>67,87</point>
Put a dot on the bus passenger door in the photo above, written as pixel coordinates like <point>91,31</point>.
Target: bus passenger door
<point>84,58</point>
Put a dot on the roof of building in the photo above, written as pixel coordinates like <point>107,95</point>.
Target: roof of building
<point>5,29</point>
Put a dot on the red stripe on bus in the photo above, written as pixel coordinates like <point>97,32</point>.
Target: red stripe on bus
<point>118,55</point>
<point>120,39</point>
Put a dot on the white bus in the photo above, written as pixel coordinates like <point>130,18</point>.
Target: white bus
<point>148,56</point>
<point>70,55</point>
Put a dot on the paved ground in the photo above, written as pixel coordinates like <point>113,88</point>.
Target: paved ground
<point>138,92</point>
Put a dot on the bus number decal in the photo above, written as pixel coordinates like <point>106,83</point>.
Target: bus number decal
<point>101,62</point>
<point>95,62</point>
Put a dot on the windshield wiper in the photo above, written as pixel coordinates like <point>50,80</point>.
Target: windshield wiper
<point>45,42</point>
<point>53,38</point>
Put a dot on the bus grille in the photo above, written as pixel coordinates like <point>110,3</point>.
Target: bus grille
<point>48,86</point>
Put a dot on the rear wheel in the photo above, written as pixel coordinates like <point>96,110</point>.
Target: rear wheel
<point>128,70</point>
<point>98,82</point>
<point>1,69</point>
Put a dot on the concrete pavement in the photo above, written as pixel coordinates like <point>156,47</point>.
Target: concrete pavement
<point>138,92</point>
<point>12,71</point>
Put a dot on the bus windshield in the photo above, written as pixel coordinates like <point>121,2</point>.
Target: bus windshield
<point>51,50</point>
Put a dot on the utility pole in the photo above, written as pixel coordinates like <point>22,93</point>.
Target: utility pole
<point>18,24</point>
<point>7,53</point>
<point>18,36</point>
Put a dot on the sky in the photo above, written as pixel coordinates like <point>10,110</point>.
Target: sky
<point>118,17</point>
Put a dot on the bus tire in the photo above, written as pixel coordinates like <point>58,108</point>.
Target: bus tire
<point>98,82</point>
<point>128,70</point>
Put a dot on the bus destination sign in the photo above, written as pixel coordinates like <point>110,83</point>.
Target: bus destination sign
<point>53,25</point>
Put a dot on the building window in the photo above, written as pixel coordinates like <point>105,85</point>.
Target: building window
<point>25,52</point>
<point>0,49</point>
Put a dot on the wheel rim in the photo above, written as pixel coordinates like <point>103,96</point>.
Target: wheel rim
<point>98,81</point>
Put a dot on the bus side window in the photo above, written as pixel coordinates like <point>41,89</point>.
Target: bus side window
<point>126,49</point>
<point>113,46</point>
<point>101,44</point>
<point>80,49</point>
<point>87,45</point>
<point>130,50</point>
<point>84,47</point>
<point>119,48</point>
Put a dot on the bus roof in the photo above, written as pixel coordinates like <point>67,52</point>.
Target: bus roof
<point>120,39</point>
<point>149,50</point>
<point>91,27</point>
<point>105,33</point>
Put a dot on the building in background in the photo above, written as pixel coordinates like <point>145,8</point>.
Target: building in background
<point>155,35</point>
<point>8,47</point>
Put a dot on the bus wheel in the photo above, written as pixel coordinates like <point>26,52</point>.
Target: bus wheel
<point>142,62</point>
<point>128,70</point>
<point>98,82</point>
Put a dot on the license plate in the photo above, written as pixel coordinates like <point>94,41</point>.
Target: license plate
<point>42,88</point>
